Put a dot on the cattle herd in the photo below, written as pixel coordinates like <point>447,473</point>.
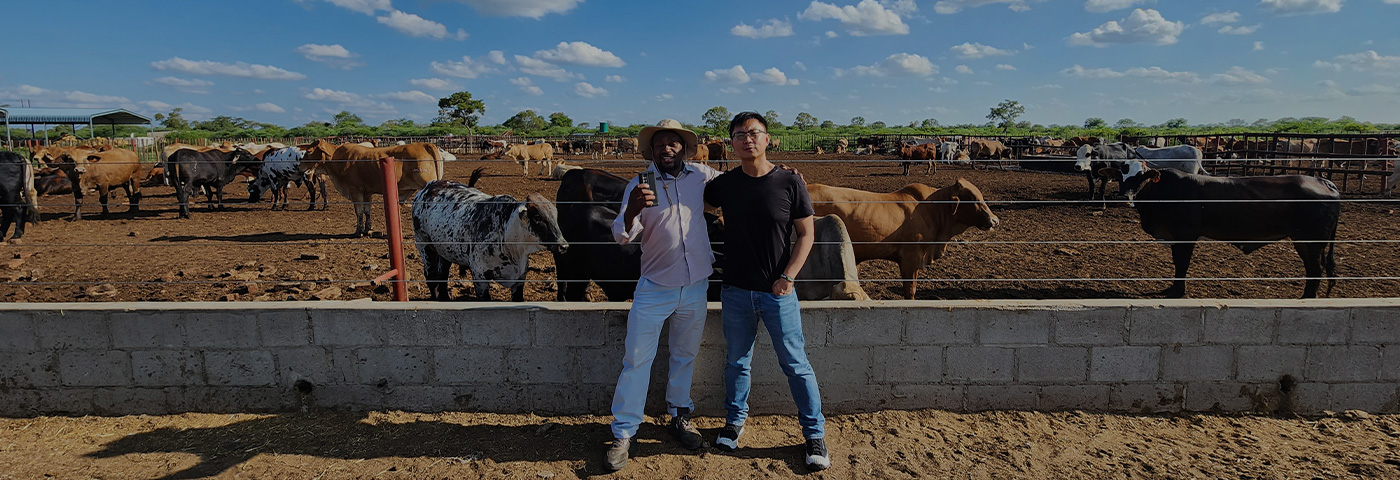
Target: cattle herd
<point>492,236</point>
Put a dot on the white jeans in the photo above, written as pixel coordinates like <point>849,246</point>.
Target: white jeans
<point>651,306</point>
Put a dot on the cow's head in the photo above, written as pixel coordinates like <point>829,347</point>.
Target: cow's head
<point>969,207</point>
<point>1083,156</point>
<point>1139,176</point>
<point>541,219</point>
<point>43,156</point>
<point>318,151</point>
<point>257,187</point>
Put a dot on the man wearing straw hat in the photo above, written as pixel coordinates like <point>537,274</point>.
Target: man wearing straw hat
<point>668,219</point>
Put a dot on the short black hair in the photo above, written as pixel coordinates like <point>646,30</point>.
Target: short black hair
<point>743,117</point>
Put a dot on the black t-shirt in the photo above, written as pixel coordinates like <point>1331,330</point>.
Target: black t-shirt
<point>758,216</point>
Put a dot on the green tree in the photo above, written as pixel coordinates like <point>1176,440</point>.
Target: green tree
<point>1125,123</point>
<point>559,119</point>
<point>857,121</point>
<point>1235,123</point>
<point>1006,113</point>
<point>805,121</point>
<point>716,118</point>
<point>460,108</point>
<point>221,123</point>
<point>828,124</point>
<point>397,123</point>
<point>772,118</point>
<point>1095,122</point>
<point>526,121</point>
<point>1175,123</point>
<point>877,124</point>
<point>347,119</point>
<point>929,123</point>
<point>175,120</point>
<point>584,125</point>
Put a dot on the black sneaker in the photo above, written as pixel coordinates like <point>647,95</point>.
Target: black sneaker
<point>684,430</point>
<point>616,458</point>
<point>728,439</point>
<point>817,458</point>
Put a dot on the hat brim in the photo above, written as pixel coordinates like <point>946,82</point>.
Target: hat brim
<point>691,141</point>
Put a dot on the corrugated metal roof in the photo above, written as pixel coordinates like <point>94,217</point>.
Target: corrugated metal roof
<point>26,116</point>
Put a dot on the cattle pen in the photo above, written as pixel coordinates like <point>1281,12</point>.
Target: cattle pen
<point>251,309</point>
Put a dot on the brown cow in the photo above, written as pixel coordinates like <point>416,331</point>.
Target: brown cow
<point>354,170</point>
<point>842,144</point>
<point>543,153</point>
<point>910,226</point>
<point>51,181</point>
<point>702,155</point>
<point>924,152</point>
<point>717,152</point>
<point>984,149</point>
<point>102,170</point>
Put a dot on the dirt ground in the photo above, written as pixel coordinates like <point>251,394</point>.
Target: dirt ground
<point>249,252</point>
<point>883,445</point>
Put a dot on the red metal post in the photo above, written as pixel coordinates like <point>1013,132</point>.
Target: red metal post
<point>393,231</point>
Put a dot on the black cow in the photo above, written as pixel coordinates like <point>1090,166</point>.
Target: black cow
<point>588,201</point>
<point>1256,211</point>
<point>189,169</point>
<point>17,196</point>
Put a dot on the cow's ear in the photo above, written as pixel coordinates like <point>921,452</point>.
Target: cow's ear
<point>1156,176</point>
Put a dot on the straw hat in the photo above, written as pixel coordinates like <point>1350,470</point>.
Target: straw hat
<point>688,138</point>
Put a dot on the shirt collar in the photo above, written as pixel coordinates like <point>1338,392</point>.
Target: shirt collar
<point>686,170</point>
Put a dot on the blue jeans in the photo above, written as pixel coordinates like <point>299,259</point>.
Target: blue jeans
<point>782,316</point>
<point>653,305</point>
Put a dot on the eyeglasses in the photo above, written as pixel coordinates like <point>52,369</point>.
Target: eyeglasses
<point>754,134</point>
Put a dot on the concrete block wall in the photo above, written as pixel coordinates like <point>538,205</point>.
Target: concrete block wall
<point>1097,355</point>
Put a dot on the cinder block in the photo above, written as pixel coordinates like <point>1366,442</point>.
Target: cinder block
<point>980,364</point>
<point>1073,397</point>
<point>17,332</point>
<point>1125,364</point>
<point>1000,397</point>
<point>569,399</point>
<point>771,399</point>
<point>816,326</point>
<point>1103,326</point>
<point>1240,325</point>
<point>398,365</point>
<point>1375,325</point>
<point>420,328</point>
<point>350,397</point>
<point>221,330</point>
<point>345,328</point>
<point>28,370</point>
<point>533,366</point>
<point>489,398</point>
<point>1198,364</point>
<point>468,365</point>
<point>500,328</point>
<point>130,401</point>
<point>570,328</point>
<point>1267,363</point>
<point>312,364</point>
<point>1311,398</point>
<point>1221,397</point>
<point>95,369</point>
<point>80,331</point>
<point>865,328</point>
<point>944,397</point>
<point>345,366</point>
<point>603,365</point>
<point>166,368</point>
<point>67,401</point>
<point>420,398</point>
<point>709,366</point>
<point>243,368</point>
<point>1014,327</point>
<point>240,399</point>
<point>1313,326</point>
<point>148,329</point>
<point>20,402</point>
<point>843,366</point>
<point>904,365</point>
<point>855,398</point>
<point>1390,363</point>
<point>1343,364</point>
<point>1147,398</point>
<point>284,328</point>
<point>1369,397</point>
<point>940,327</point>
<point>1052,364</point>
<point>1165,326</point>
<point>617,328</point>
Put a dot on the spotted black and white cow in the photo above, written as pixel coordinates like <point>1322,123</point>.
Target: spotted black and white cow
<point>282,167</point>
<point>492,236</point>
<point>1109,161</point>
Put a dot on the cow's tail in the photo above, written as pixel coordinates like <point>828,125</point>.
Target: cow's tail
<point>476,175</point>
<point>31,196</point>
<point>438,162</point>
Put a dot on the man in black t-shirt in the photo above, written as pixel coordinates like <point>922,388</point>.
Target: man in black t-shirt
<point>764,207</point>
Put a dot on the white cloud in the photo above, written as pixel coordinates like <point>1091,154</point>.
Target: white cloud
<point>1238,75</point>
<point>417,26</point>
<point>982,83</point>
<point>1233,30</point>
<point>466,68</point>
<point>198,86</point>
<point>977,50</point>
<point>583,89</point>
<point>413,96</point>
<point>367,7</point>
<point>156,105</point>
<point>522,8</point>
<point>1365,61</point>
<point>526,86</point>
<point>1155,74</point>
<point>1048,86</point>
<point>773,76</point>
<point>803,67</point>
<point>580,53</point>
<point>1374,89</point>
<point>949,7</point>
<point>497,57</point>
<point>269,108</point>
<point>239,69</point>
<point>345,99</point>
<point>735,74</point>
<point>963,69</point>
<point>1293,7</point>
<point>614,79</point>
<point>333,55</point>
<point>731,90</point>
<point>1260,45</point>
<point>1081,72</point>
<point>831,34</point>
<point>1003,66</point>
<point>1111,5</point>
<point>433,84</point>
<point>1221,17</point>
<point>663,97</point>
<point>535,66</point>
<point>1141,26</point>
<point>895,65</point>
<point>868,17</point>
<point>773,28</point>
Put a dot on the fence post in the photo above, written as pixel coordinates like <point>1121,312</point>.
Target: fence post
<point>397,274</point>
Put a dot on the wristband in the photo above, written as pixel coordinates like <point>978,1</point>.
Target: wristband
<point>786,277</point>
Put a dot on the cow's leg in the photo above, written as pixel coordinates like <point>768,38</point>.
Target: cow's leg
<point>517,291</point>
<point>102,191</point>
<point>436,270</point>
<point>1181,259</point>
<point>362,217</point>
<point>182,196</point>
<point>8,215</point>
<point>909,272</point>
<point>1312,254</point>
<point>219,193</point>
<point>931,168</point>
<point>133,194</point>
<point>77,201</point>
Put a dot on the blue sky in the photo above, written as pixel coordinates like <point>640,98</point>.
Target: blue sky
<point>290,62</point>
